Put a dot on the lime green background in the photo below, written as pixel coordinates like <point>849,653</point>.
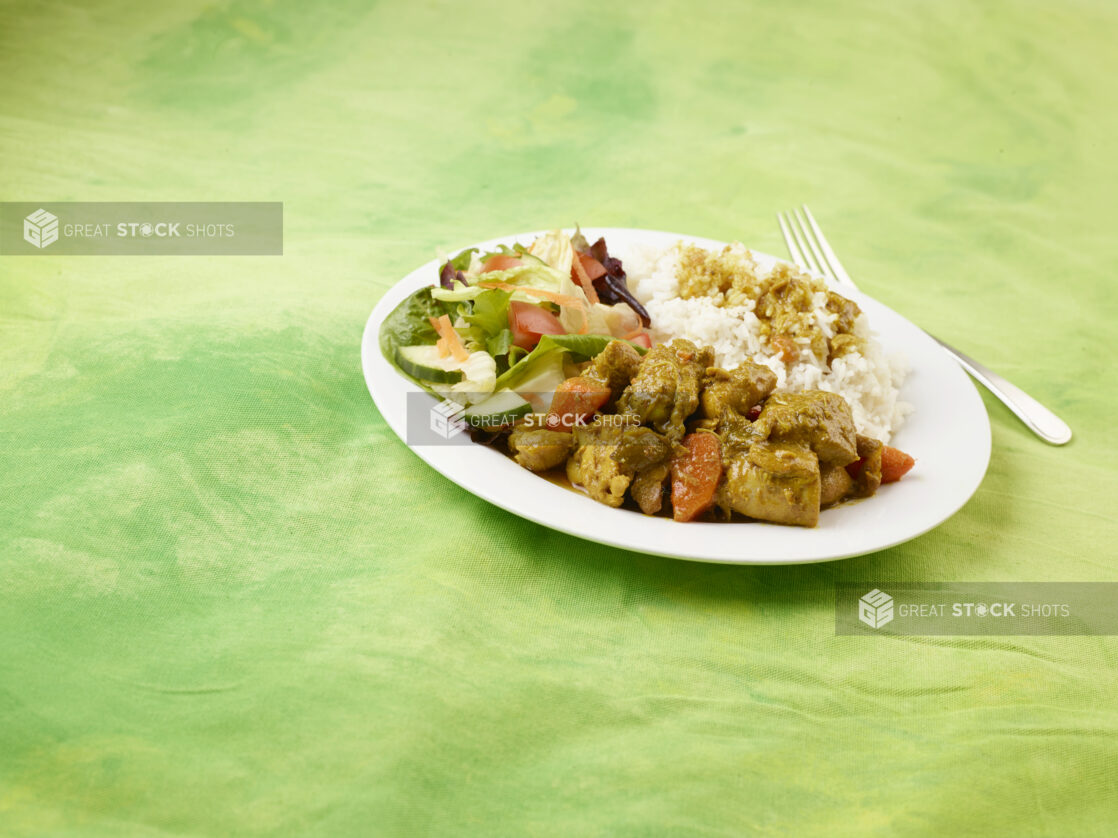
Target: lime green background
<point>233,603</point>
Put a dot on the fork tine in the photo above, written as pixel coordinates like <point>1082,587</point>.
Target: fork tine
<point>793,248</point>
<point>807,261</point>
<point>836,265</point>
<point>824,268</point>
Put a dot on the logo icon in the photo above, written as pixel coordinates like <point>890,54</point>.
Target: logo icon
<point>446,419</point>
<point>875,609</point>
<point>40,228</point>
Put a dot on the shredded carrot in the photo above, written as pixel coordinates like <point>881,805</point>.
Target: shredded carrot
<point>584,279</point>
<point>633,334</point>
<point>550,296</point>
<point>449,342</point>
<point>453,342</point>
<point>440,344</point>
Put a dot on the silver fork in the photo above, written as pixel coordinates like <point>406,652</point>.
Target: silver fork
<point>810,250</point>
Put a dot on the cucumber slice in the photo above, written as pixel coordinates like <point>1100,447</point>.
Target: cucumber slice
<point>502,408</point>
<point>424,363</point>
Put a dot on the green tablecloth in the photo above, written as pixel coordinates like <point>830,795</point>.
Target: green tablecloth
<point>233,603</point>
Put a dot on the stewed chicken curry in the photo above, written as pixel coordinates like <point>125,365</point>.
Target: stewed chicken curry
<point>672,431</point>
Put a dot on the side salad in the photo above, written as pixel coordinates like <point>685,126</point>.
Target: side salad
<point>503,329</point>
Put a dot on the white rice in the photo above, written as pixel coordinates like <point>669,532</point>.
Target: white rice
<point>868,380</point>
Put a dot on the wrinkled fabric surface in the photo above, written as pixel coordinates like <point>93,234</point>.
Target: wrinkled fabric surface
<point>232,602</point>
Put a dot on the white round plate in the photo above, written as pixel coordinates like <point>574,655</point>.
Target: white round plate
<point>948,434</point>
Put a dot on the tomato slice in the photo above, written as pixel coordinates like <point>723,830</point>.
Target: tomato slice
<point>592,266</point>
<point>500,262</point>
<point>529,322</point>
<point>642,339</point>
<point>574,401</point>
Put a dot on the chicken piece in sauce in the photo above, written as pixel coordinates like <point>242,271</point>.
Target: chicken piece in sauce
<point>538,448</point>
<point>819,420</point>
<point>615,366</point>
<point>771,482</point>
<point>739,389</point>
<point>592,465</point>
<point>665,390</point>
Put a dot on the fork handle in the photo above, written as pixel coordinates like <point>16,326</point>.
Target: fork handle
<point>1041,421</point>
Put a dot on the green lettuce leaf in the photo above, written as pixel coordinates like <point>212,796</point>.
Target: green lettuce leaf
<point>548,350</point>
<point>409,325</point>
<point>490,312</point>
<point>578,241</point>
<point>534,274</point>
<point>461,262</point>
<point>500,343</point>
<point>518,250</point>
